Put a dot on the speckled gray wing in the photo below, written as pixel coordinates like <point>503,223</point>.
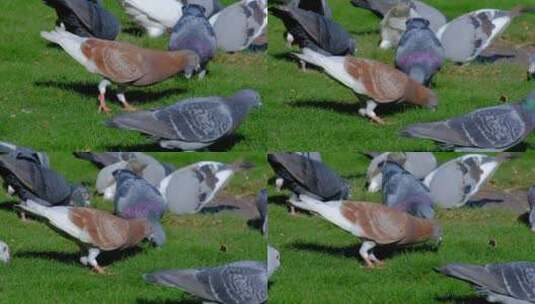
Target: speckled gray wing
<point>41,181</point>
<point>518,277</point>
<point>196,120</point>
<point>185,279</point>
<point>489,128</point>
<point>238,25</point>
<point>237,283</point>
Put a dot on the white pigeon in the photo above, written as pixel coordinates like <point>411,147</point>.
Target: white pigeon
<point>155,16</point>
<point>467,36</point>
<point>453,183</point>
<point>189,189</point>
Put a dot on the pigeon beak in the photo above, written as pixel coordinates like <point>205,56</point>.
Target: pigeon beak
<point>10,190</point>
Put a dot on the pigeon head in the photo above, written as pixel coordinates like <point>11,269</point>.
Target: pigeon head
<point>4,252</point>
<point>193,10</point>
<point>157,236</point>
<point>417,23</point>
<point>273,260</point>
<point>80,196</point>
<point>242,102</point>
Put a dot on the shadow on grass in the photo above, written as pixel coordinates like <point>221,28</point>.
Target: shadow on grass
<point>461,300</point>
<point>104,259</point>
<point>349,108</point>
<point>224,145</point>
<point>280,200</point>
<point>8,206</point>
<point>217,209</point>
<point>482,202</point>
<point>134,30</point>
<point>524,219</point>
<point>174,301</point>
<point>91,90</point>
<point>383,252</point>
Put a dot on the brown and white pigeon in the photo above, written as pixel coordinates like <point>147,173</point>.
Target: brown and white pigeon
<point>93,229</point>
<point>378,81</point>
<point>123,63</point>
<point>374,224</point>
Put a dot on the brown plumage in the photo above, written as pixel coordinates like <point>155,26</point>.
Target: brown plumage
<point>109,232</point>
<point>95,230</point>
<point>375,224</point>
<point>378,81</point>
<point>123,63</point>
<point>385,225</point>
<point>385,84</point>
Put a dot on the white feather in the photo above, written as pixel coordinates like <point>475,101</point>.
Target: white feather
<point>58,217</point>
<point>164,12</point>
<point>331,211</point>
<point>334,66</point>
<point>72,45</point>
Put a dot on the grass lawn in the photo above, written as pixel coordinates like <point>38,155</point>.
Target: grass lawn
<point>320,262</point>
<point>315,112</point>
<point>49,101</point>
<point>45,266</point>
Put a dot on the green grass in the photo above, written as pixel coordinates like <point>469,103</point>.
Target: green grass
<point>315,112</point>
<point>49,101</point>
<point>320,262</point>
<point>45,266</point>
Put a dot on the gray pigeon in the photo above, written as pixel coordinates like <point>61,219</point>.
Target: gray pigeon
<point>381,7</point>
<point>189,189</point>
<point>279,182</point>
<point>211,7</point>
<point>531,67</point>
<point>193,32</point>
<point>30,180</point>
<point>142,164</point>
<point>419,164</point>
<point>508,283</point>
<point>318,6</point>
<point>239,24</point>
<point>244,282</point>
<point>419,55</point>
<point>455,182</point>
<point>14,151</point>
<point>404,192</point>
<point>493,129</point>
<point>394,25</point>
<point>315,31</point>
<point>86,18</point>
<point>4,253</point>
<point>191,124</point>
<point>303,175</point>
<point>137,198</point>
<point>531,201</point>
<point>104,159</point>
<point>262,206</point>
<point>467,36</point>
